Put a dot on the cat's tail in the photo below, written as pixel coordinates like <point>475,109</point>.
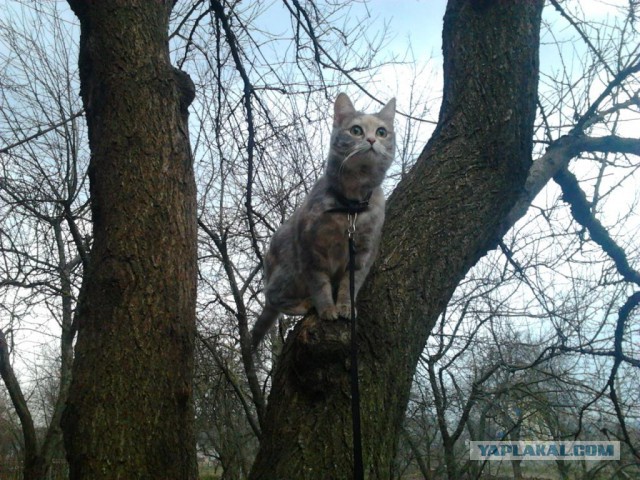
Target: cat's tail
<point>266,319</point>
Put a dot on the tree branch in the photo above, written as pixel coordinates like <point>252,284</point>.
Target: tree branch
<point>584,37</point>
<point>18,400</point>
<point>218,10</point>
<point>40,132</point>
<point>307,26</point>
<point>581,211</point>
<point>557,157</point>
<point>241,315</point>
<point>234,385</point>
<point>623,316</point>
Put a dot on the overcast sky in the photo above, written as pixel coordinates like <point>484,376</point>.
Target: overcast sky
<point>419,23</point>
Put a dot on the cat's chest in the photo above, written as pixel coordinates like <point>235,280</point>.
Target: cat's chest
<point>330,231</point>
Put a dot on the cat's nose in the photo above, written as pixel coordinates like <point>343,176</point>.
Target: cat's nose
<point>371,140</point>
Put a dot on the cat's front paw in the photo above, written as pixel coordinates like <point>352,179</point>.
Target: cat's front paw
<point>344,310</point>
<point>329,313</point>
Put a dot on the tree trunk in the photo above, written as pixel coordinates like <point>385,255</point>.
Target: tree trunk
<point>129,413</point>
<point>34,466</point>
<point>441,219</point>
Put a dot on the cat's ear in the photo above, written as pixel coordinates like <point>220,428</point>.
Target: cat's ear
<point>342,109</point>
<point>389,111</point>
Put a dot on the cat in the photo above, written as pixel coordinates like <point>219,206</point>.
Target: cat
<point>306,264</point>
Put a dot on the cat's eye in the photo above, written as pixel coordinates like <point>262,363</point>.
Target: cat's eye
<point>381,132</point>
<point>356,130</point>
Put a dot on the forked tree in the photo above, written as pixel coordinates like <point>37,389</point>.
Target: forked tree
<point>442,217</point>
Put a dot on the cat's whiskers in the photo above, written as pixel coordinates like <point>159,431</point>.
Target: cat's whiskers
<point>381,150</point>
<point>386,153</point>
<point>357,149</point>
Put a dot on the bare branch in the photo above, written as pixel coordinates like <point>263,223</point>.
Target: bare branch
<point>40,132</point>
<point>248,93</point>
<point>623,316</point>
<point>234,384</point>
<point>17,398</point>
<point>557,157</point>
<point>581,210</point>
<point>241,315</point>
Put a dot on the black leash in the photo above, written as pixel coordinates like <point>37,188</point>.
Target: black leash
<point>352,208</point>
<point>358,468</point>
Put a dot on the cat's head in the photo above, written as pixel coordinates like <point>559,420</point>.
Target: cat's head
<point>361,141</point>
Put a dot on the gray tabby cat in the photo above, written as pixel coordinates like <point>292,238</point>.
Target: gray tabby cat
<point>306,265</point>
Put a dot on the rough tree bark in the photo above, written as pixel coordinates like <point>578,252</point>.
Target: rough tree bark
<point>130,412</point>
<point>440,220</point>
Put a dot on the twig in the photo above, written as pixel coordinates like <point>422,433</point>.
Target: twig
<point>40,132</point>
